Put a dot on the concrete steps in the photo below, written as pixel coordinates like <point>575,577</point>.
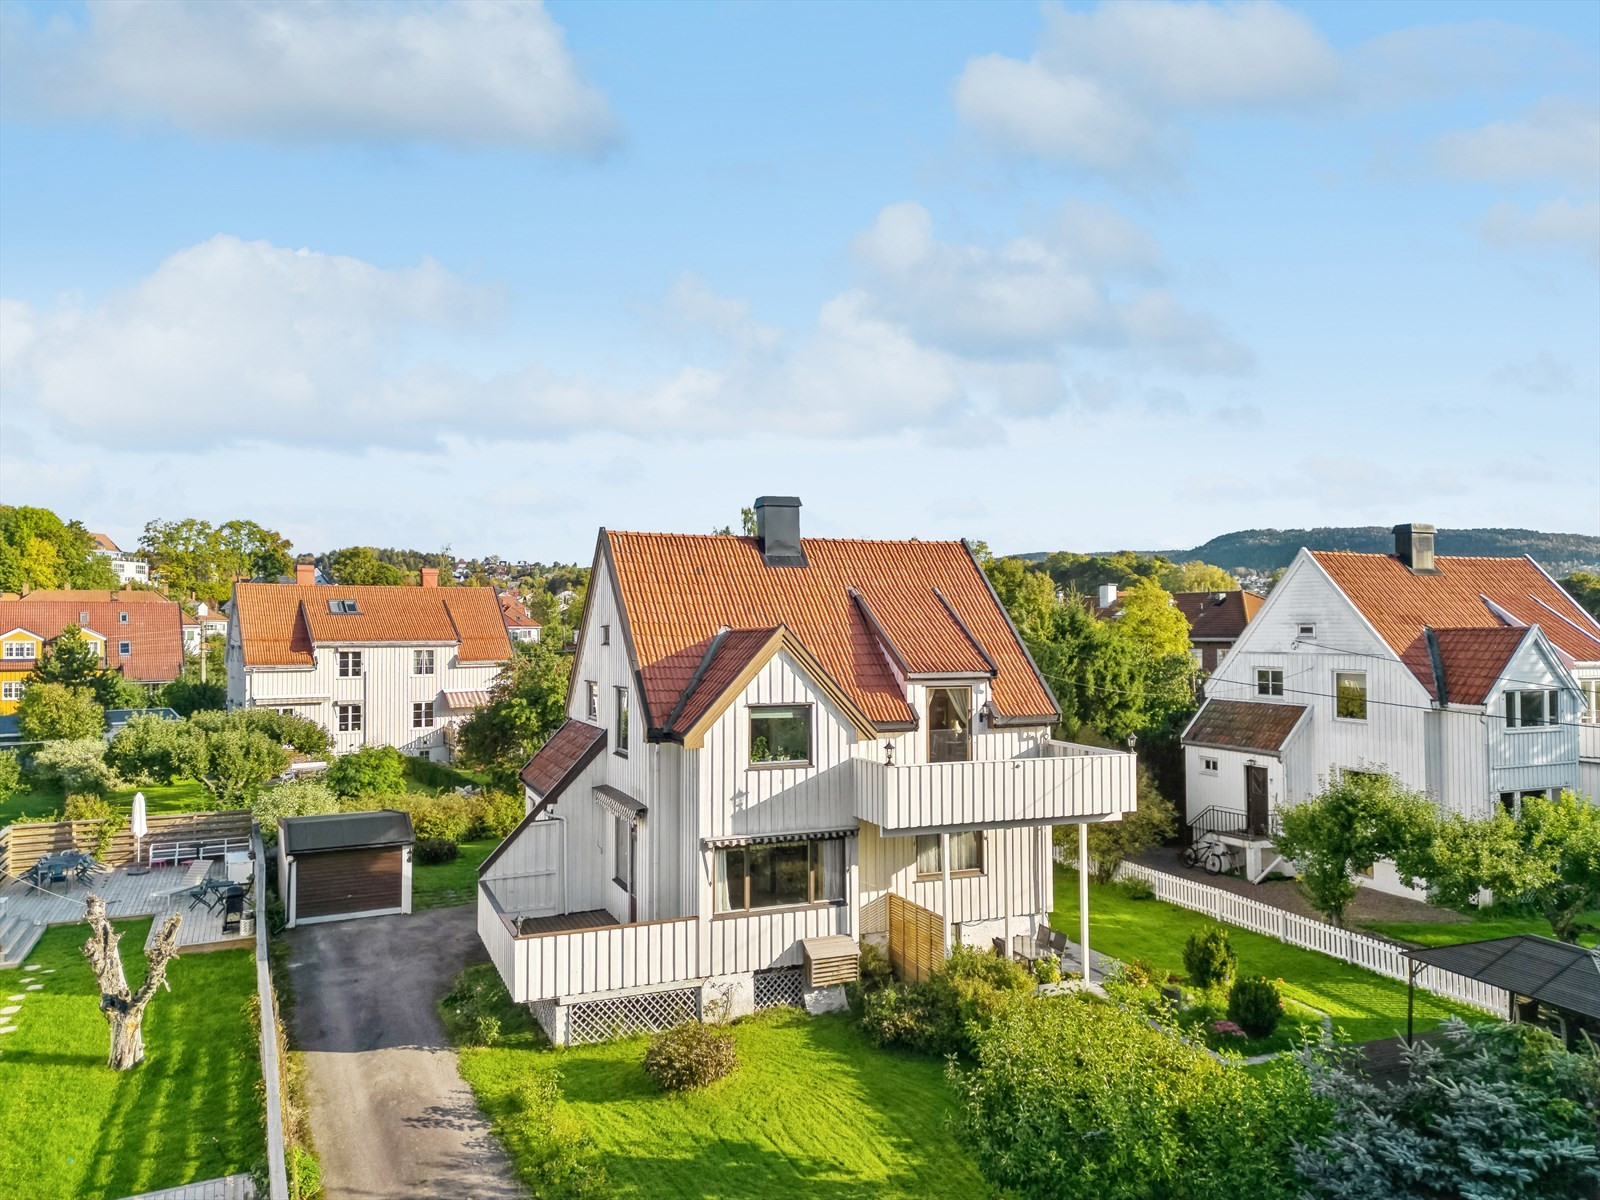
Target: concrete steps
<point>18,936</point>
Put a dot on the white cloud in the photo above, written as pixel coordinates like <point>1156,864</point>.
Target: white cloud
<point>1105,87</point>
<point>1557,140</point>
<point>1034,295</point>
<point>1556,225</point>
<point>470,72</point>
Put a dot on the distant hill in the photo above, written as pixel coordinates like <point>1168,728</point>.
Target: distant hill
<point>1268,549</point>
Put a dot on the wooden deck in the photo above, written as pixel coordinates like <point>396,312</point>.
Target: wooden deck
<point>229,1187</point>
<point>593,918</point>
<point>26,910</point>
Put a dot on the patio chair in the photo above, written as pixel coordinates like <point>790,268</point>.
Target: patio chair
<point>201,893</point>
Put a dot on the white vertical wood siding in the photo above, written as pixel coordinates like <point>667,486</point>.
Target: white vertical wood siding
<point>560,965</point>
<point>1538,757</point>
<point>760,940</point>
<point>607,665</point>
<point>1015,864</point>
<point>1224,788</point>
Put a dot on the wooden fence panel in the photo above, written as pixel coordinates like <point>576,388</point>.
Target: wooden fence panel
<point>916,939</point>
<point>28,842</point>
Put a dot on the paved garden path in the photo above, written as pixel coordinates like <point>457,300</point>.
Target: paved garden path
<point>390,1115</point>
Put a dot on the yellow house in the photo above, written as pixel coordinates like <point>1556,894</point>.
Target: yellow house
<point>20,651</point>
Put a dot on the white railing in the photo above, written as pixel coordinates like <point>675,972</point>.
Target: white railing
<point>1588,740</point>
<point>1362,949</point>
<point>1049,789</point>
<point>166,854</point>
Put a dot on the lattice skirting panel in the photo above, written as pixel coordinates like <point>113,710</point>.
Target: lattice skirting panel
<point>602,1020</point>
<point>781,987</point>
<point>544,1012</point>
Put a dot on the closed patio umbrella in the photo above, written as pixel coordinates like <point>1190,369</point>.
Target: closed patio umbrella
<point>138,825</point>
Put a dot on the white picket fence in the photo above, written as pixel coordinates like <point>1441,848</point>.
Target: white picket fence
<point>1362,949</point>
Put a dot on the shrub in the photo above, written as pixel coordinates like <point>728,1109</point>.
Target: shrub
<point>690,1055</point>
<point>431,852</point>
<point>300,734</point>
<point>1138,972</point>
<point>1135,889</point>
<point>10,773</point>
<point>151,750</point>
<point>238,762</point>
<point>297,798</point>
<point>95,808</point>
<point>369,771</point>
<point>446,817</point>
<point>499,813</point>
<point>435,775</point>
<point>1072,1098</point>
<point>874,966</point>
<point>1255,1006</point>
<point>75,766</point>
<point>1209,958</point>
<point>188,696</point>
<point>1047,969</point>
<point>941,1015</point>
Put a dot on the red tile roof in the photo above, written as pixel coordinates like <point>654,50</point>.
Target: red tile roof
<point>154,632</point>
<point>1214,619</point>
<point>566,752</point>
<point>280,624</point>
<point>1243,725</point>
<point>1399,605</point>
<point>678,590</point>
<point>105,543</point>
<point>98,596</point>
<point>516,613</point>
<point>736,650</point>
<point>1474,660</point>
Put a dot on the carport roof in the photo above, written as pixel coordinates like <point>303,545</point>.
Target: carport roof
<point>1558,973</point>
<point>346,831</point>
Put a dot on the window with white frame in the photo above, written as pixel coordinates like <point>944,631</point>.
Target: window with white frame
<point>422,715</point>
<point>1532,707</point>
<point>19,650</point>
<point>349,664</point>
<point>422,662</point>
<point>622,856</point>
<point>1591,701</point>
<point>83,619</point>
<point>122,618</point>
<point>591,696</point>
<point>622,721</point>
<point>780,734</point>
<point>1308,631</point>
<point>124,648</point>
<point>966,854</point>
<point>349,718</point>
<point>12,689</point>
<point>1350,695</point>
<point>1208,766</point>
<point>1269,681</point>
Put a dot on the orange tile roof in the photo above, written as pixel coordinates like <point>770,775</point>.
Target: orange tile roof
<point>516,612</point>
<point>734,653</point>
<point>1474,660</point>
<point>154,632</point>
<point>95,596</point>
<point>280,624</point>
<point>1399,604</point>
<point>678,590</point>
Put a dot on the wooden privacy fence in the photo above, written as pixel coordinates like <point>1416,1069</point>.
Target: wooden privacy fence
<point>916,939</point>
<point>1362,949</point>
<point>25,844</point>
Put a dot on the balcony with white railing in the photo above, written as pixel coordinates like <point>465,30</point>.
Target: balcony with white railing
<point>1589,740</point>
<point>1064,783</point>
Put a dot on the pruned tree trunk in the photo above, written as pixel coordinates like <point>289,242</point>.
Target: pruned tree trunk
<point>122,1007</point>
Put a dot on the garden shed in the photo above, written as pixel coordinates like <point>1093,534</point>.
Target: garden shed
<point>339,866</point>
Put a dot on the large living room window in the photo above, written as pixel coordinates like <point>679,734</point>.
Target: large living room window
<point>780,874</point>
<point>949,724</point>
<point>1533,707</point>
<point>1350,695</point>
<point>780,735</point>
<point>966,854</point>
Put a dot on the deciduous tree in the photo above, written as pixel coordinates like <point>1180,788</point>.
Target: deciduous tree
<point>51,712</point>
<point>122,1007</point>
<point>526,705</point>
<point>357,566</point>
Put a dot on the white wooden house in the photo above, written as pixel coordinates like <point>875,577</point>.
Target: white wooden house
<point>775,748</point>
<point>384,666</point>
<point>1472,679</point>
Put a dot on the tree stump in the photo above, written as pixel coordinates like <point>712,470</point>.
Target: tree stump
<point>122,1007</point>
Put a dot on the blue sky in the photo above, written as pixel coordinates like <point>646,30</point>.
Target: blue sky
<point>1057,277</point>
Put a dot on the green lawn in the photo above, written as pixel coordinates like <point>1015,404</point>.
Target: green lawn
<point>1364,1006</point>
<point>1488,924</point>
<point>187,795</point>
<point>72,1129</point>
<point>814,1110</point>
<point>452,882</point>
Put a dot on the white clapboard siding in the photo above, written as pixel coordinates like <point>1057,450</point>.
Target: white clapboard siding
<point>1364,950</point>
<point>762,940</point>
<point>617,958</point>
<point>971,795</point>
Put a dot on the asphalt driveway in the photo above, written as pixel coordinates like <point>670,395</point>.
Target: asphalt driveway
<point>391,1116</point>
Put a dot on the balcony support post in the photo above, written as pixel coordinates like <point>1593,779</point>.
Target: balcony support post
<point>944,880</point>
<point>1083,900</point>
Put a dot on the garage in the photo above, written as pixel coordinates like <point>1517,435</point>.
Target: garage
<point>339,866</point>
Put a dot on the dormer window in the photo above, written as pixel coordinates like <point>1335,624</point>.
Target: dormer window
<point>780,735</point>
<point>344,608</point>
<point>122,618</point>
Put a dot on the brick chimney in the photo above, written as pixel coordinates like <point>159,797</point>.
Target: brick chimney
<point>305,574</point>
<point>430,576</point>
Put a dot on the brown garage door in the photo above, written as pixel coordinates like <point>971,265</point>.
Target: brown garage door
<point>347,881</point>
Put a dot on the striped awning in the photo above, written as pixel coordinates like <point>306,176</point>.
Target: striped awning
<point>618,803</point>
<point>461,701</point>
<point>766,839</point>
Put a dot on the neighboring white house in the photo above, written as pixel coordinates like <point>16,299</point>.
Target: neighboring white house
<point>520,623</point>
<point>1473,679</point>
<point>129,569</point>
<point>389,666</point>
<point>776,748</point>
<point>205,622</point>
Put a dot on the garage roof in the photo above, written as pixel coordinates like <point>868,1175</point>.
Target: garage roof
<point>346,831</point>
<point>1558,973</point>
